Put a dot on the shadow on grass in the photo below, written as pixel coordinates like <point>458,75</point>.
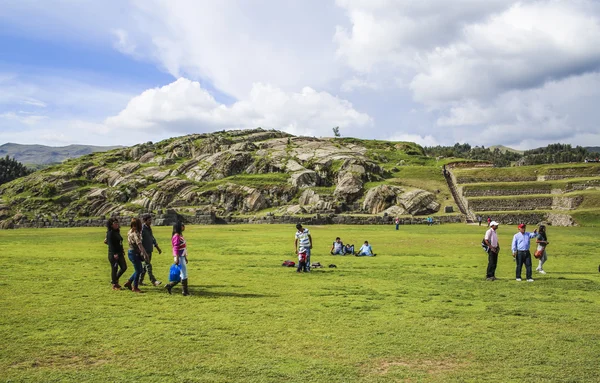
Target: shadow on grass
<point>574,272</point>
<point>199,291</point>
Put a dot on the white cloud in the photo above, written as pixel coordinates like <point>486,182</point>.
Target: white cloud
<point>123,43</point>
<point>185,107</point>
<point>358,83</point>
<point>426,140</point>
<point>472,71</point>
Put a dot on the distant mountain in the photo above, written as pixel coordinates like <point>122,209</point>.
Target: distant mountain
<point>594,149</point>
<point>505,149</point>
<point>44,155</point>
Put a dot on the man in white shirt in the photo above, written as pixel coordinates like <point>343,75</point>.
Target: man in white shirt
<point>303,240</point>
<point>491,240</point>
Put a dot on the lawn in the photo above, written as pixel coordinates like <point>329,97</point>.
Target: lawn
<point>418,311</point>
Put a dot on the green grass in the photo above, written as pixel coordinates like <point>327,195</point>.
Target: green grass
<point>525,173</point>
<point>419,311</point>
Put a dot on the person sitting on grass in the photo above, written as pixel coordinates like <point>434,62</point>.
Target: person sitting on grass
<point>365,250</point>
<point>337,248</point>
<point>349,249</point>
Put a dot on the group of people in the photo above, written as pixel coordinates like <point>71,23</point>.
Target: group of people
<point>303,245</point>
<point>338,248</point>
<point>141,243</point>
<point>520,248</point>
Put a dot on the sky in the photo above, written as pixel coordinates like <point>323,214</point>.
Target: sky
<point>120,72</point>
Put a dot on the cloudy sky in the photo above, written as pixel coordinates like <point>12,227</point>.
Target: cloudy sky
<point>117,72</point>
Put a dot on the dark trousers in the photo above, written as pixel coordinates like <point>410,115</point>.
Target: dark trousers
<point>492,263</point>
<point>397,225</point>
<point>524,257</point>
<point>136,260</point>
<point>147,268</point>
<point>302,266</point>
<point>117,267</point>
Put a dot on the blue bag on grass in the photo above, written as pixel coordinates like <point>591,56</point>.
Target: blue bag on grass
<point>175,273</point>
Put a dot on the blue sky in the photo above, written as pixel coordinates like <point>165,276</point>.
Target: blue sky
<point>432,72</point>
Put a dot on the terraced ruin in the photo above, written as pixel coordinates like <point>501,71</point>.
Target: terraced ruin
<point>563,194</point>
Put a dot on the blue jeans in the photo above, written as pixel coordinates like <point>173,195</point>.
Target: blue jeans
<point>136,260</point>
<point>524,257</point>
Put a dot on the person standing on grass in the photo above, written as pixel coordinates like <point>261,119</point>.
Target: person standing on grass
<point>116,255</point>
<point>479,219</point>
<point>136,254</point>
<point>179,257</point>
<point>520,250</point>
<point>491,240</point>
<point>149,243</point>
<point>303,240</point>
<point>489,220</point>
<point>397,222</point>
<point>542,241</point>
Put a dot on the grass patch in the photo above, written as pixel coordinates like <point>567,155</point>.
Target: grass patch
<point>419,311</point>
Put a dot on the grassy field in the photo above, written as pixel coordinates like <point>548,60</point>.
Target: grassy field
<point>419,311</point>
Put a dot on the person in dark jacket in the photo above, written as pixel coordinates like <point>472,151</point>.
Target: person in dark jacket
<point>149,243</point>
<point>116,254</point>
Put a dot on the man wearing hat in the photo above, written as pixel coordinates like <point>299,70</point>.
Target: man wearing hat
<point>520,250</point>
<point>491,240</point>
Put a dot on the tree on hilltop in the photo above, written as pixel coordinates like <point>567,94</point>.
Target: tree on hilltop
<point>11,169</point>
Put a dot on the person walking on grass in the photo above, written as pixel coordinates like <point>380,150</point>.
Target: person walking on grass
<point>116,255</point>
<point>520,250</point>
<point>149,243</point>
<point>179,257</point>
<point>366,250</point>
<point>491,240</point>
<point>542,242</point>
<point>136,254</point>
<point>303,240</point>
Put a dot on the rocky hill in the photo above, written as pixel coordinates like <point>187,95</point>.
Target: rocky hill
<point>45,155</point>
<point>233,173</point>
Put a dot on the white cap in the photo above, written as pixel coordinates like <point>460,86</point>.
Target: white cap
<point>494,223</point>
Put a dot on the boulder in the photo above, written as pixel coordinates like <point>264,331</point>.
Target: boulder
<point>349,187</point>
<point>380,198</point>
<point>419,202</point>
<point>308,197</point>
<point>395,211</point>
<point>304,178</point>
<point>146,157</point>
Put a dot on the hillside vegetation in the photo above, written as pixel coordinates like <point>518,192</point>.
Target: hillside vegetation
<point>257,173</point>
<point>236,172</point>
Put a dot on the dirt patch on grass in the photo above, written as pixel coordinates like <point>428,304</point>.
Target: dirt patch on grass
<point>422,366</point>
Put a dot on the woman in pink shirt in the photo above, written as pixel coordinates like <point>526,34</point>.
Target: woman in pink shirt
<point>180,257</point>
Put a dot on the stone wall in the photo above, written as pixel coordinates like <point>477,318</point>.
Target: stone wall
<point>511,204</point>
<point>502,192</point>
<point>170,217</point>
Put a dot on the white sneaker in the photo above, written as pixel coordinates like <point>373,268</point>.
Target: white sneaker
<point>538,268</point>
<point>157,283</point>
<point>518,279</point>
<point>542,271</point>
<point>530,280</point>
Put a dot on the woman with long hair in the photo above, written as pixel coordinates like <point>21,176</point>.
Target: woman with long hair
<point>542,242</point>
<point>116,255</point>
<point>179,257</point>
<point>136,254</point>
